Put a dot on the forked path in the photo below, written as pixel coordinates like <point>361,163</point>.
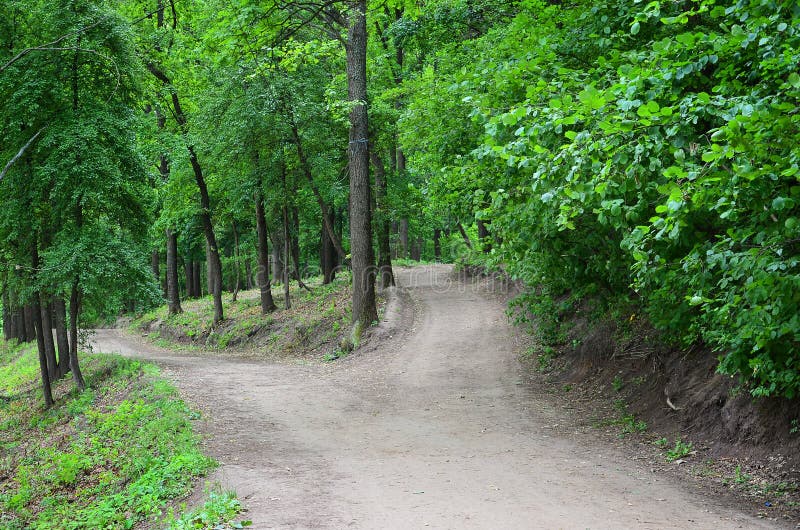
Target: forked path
<point>428,427</point>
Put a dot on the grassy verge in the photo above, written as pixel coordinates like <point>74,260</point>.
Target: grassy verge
<point>317,326</point>
<point>108,457</point>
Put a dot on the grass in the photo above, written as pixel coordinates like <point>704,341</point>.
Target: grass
<point>109,457</point>
<point>216,513</point>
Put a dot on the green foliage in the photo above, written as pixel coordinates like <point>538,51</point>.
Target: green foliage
<point>620,145</point>
<point>217,512</point>
<point>103,458</point>
<point>679,450</point>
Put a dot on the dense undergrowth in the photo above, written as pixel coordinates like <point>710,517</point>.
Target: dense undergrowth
<point>317,324</point>
<point>108,457</point>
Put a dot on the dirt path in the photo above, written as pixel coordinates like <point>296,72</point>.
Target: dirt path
<point>430,428</point>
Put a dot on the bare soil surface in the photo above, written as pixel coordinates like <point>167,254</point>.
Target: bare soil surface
<point>429,425</point>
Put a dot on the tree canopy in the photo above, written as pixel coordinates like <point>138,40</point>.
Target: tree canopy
<point>167,149</point>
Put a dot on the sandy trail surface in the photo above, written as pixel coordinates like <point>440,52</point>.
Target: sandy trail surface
<point>428,426</point>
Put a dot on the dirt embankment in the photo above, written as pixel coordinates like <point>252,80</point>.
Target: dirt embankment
<point>627,381</point>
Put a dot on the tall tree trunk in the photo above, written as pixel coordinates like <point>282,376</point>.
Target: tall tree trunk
<point>43,367</point>
<point>197,279</point>
<point>74,315</point>
<point>385,272</point>
<point>29,322</point>
<point>173,291</point>
<point>155,265</point>
<point>267,302</point>
<point>277,248</point>
<point>363,260</point>
<point>214,263</point>
<point>286,253</point>
<point>328,255</point>
<point>8,319</point>
<point>437,244</point>
<point>62,338</point>
<point>236,264</point>
<point>40,331</point>
<point>248,273</point>
<point>416,249</point>
<point>403,229</point>
<point>49,343</point>
<point>294,238</point>
<point>188,271</point>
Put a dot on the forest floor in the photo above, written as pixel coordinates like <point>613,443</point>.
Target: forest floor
<point>433,423</point>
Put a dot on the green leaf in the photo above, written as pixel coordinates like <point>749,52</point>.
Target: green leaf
<point>635,28</point>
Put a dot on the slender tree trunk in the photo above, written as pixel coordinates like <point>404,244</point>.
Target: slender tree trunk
<point>286,252</point>
<point>267,302</point>
<point>248,272</point>
<point>155,265</point>
<point>173,291</point>
<point>236,263</point>
<point>46,317</point>
<point>403,229</point>
<point>62,337</point>
<point>8,319</point>
<point>74,315</point>
<point>416,249</point>
<point>214,263</point>
<point>188,271</point>
<point>29,322</point>
<point>40,331</point>
<point>363,260</point>
<point>385,272</point>
<point>328,255</point>
<point>197,279</point>
<point>437,244</point>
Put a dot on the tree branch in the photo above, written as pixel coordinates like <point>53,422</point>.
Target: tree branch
<point>21,152</point>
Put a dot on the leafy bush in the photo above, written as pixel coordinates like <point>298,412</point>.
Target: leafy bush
<point>649,150</point>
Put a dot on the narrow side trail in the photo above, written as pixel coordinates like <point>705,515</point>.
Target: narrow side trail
<point>428,427</point>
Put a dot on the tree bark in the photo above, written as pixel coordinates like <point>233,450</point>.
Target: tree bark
<point>36,310</point>
<point>385,272</point>
<point>29,322</point>
<point>46,317</point>
<point>197,279</point>
<point>437,244</point>
<point>363,260</point>
<point>267,302</point>
<point>188,271</point>
<point>173,292</point>
<point>74,314</point>
<point>328,255</point>
<point>286,251</point>
<point>236,264</point>
<point>155,265</point>
<point>403,229</point>
<point>62,338</point>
